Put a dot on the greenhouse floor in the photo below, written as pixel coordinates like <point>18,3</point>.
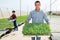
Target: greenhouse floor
<point>17,35</point>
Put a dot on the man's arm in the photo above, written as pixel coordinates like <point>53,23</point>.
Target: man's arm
<point>29,17</point>
<point>45,17</point>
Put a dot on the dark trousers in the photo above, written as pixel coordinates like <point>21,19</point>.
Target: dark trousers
<point>15,25</point>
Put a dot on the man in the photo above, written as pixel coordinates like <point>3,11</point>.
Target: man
<point>13,17</point>
<point>37,15</point>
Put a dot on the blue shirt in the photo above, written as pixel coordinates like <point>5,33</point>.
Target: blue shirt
<point>37,16</point>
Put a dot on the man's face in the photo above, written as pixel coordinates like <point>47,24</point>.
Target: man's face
<point>37,5</point>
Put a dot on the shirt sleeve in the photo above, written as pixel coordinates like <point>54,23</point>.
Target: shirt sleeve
<point>45,17</point>
<point>29,17</point>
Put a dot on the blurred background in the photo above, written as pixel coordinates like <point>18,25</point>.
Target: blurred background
<point>23,7</point>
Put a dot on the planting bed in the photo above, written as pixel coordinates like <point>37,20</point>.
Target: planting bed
<point>36,29</point>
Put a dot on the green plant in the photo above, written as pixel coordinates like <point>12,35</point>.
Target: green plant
<point>36,29</point>
<point>4,22</point>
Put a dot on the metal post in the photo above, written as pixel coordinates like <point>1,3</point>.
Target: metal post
<point>8,11</point>
<point>50,9</point>
<point>2,13</point>
<point>27,10</point>
<point>20,8</point>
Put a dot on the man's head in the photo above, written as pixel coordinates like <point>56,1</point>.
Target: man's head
<point>13,11</point>
<point>37,5</point>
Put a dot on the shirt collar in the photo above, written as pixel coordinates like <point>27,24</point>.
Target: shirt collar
<point>37,11</point>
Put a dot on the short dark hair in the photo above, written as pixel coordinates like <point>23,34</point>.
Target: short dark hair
<point>13,11</point>
<point>37,2</point>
